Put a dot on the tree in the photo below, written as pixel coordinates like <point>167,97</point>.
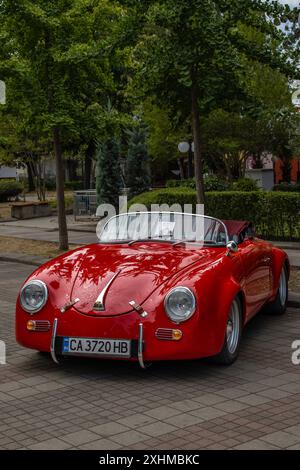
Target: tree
<point>108,179</point>
<point>188,55</point>
<point>162,139</point>
<point>138,170</point>
<point>56,56</point>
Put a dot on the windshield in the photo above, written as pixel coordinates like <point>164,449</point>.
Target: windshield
<point>164,226</point>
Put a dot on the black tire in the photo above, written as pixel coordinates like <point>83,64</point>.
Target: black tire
<point>230,351</point>
<point>279,305</point>
<point>43,353</point>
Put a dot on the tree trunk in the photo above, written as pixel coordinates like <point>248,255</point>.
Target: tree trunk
<point>31,186</point>
<point>181,168</point>
<point>198,161</point>
<point>60,193</point>
<point>88,160</point>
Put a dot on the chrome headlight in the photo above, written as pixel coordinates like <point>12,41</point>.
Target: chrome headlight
<point>180,304</point>
<point>33,296</point>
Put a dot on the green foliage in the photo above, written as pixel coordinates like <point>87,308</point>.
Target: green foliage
<point>276,215</point>
<point>187,183</point>
<point>286,187</point>
<point>50,184</point>
<point>108,180</point>
<point>10,189</point>
<point>69,201</point>
<point>211,183</point>
<point>73,185</point>
<point>244,184</point>
<point>138,170</point>
<point>59,60</point>
<point>221,54</point>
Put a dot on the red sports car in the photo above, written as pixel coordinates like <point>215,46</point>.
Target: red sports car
<point>157,286</point>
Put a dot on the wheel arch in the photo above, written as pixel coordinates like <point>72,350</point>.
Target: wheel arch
<point>280,260</point>
<point>242,297</point>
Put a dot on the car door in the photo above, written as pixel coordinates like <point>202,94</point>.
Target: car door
<point>256,259</point>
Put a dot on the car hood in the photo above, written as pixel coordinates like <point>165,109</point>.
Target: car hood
<point>127,273</point>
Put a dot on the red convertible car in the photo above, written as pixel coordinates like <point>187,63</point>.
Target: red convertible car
<point>157,286</point>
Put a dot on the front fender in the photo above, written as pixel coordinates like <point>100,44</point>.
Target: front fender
<point>215,288</point>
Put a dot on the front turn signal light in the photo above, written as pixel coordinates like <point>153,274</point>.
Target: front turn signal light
<point>31,325</point>
<point>167,334</point>
<point>176,335</point>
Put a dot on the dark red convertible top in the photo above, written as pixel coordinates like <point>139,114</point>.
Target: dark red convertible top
<point>236,227</point>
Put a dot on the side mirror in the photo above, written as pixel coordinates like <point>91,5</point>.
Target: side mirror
<point>232,248</point>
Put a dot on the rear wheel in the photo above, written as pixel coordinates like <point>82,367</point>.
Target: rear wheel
<point>233,335</point>
<point>279,305</point>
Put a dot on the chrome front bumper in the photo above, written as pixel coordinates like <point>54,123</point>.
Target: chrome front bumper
<point>140,353</point>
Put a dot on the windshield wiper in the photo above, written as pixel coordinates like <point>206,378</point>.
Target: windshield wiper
<point>143,240</point>
<point>205,242</point>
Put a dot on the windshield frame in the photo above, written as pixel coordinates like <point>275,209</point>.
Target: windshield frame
<point>163,240</point>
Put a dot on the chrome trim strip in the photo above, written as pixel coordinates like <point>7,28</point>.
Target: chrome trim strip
<point>52,345</point>
<point>99,305</point>
<point>140,346</point>
<point>40,325</point>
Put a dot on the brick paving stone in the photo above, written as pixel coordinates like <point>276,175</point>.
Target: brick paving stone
<point>281,439</point>
<point>109,429</point>
<point>97,405</point>
<point>163,412</point>
<point>128,438</point>
<point>183,420</point>
<point>256,444</point>
<point>157,429</point>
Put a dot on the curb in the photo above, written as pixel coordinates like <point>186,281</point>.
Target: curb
<point>27,261</point>
<point>293,304</point>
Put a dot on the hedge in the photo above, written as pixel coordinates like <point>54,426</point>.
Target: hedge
<point>286,187</point>
<point>213,183</point>
<point>276,215</point>
<point>9,189</point>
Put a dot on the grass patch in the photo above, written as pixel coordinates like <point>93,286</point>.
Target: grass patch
<point>30,247</point>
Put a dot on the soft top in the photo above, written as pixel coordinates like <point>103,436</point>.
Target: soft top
<point>236,228</point>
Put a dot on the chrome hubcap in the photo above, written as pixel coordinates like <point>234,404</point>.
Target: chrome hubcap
<point>282,288</point>
<point>233,328</point>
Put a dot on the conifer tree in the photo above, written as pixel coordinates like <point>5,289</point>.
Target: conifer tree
<point>138,170</point>
<point>108,180</point>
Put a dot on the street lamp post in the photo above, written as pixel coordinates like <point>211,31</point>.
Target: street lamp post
<point>188,147</point>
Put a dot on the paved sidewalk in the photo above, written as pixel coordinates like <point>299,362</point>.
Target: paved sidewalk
<point>49,224</point>
<point>103,405</point>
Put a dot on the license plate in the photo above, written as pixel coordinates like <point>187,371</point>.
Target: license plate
<point>96,346</point>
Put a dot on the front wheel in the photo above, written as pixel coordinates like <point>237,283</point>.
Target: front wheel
<point>233,333</point>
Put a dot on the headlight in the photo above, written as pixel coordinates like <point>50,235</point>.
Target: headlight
<point>33,296</point>
<point>180,304</point>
